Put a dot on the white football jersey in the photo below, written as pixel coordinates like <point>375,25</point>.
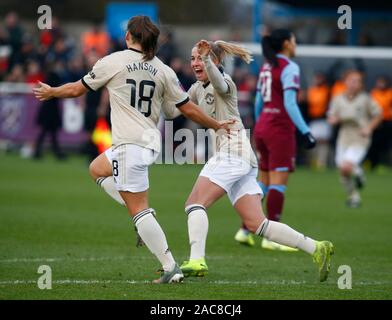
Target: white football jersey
<point>137,90</point>
<point>224,107</point>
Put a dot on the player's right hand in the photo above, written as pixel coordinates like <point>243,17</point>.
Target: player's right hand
<point>226,124</point>
<point>203,47</point>
<point>43,92</point>
<point>309,140</point>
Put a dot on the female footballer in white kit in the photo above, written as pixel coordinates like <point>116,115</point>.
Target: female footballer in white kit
<point>233,169</point>
<point>358,116</point>
<point>138,83</point>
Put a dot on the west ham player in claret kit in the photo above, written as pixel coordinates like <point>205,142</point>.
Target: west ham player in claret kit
<point>278,116</point>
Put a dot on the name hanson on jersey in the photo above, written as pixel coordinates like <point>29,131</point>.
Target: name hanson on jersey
<point>136,66</point>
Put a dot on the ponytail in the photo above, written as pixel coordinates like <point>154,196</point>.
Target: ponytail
<point>269,52</point>
<point>220,48</point>
<point>273,44</point>
<point>146,33</point>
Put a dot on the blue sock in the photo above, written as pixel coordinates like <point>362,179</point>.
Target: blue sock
<point>278,187</point>
<point>263,187</point>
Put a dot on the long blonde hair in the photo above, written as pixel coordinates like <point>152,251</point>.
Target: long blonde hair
<point>220,49</point>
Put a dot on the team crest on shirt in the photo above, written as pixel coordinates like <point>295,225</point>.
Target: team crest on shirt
<point>92,75</point>
<point>209,98</point>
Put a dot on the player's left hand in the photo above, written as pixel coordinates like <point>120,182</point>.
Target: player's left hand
<point>366,132</point>
<point>203,47</point>
<point>309,141</point>
<point>43,92</point>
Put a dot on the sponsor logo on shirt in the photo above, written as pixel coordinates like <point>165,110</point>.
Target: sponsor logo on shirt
<point>271,110</point>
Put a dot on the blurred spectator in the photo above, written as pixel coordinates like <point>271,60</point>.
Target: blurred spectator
<point>96,105</point>
<point>49,120</point>
<point>338,87</point>
<point>167,48</point>
<point>365,40</point>
<point>76,69</point>
<point>318,100</point>
<point>246,93</point>
<point>16,74</point>
<point>49,36</point>
<point>27,50</point>
<point>96,40</point>
<point>34,73</point>
<point>338,38</point>
<point>15,35</point>
<point>186,80</point>
<point>380,150</point>
<point>59,51</point>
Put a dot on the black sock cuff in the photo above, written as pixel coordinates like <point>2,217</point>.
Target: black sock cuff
<point>194,207</point>
<point>100,180</point>
<point>142,214</point>
<point>263,227</point>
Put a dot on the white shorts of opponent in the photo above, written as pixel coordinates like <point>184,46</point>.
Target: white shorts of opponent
<point>353,154</point>
<point>130,164</point>
<point>233,174</point>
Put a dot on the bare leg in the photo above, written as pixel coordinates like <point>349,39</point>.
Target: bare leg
<point>101,171</point>
<point>205,192</point>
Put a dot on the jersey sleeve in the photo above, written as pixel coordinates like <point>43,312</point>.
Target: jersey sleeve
<point>174,93</point>
<point>192,94</point>
<point>103,70</point>
<point>170,111</point>
<point>231,84</point>
<point>290,77</point>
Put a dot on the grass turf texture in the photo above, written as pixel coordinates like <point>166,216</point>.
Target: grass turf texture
<point>52,213</point>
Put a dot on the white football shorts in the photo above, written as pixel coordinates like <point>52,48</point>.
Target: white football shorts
<point>130,164</point>
<point>233,174</point>
<point>353,154</point>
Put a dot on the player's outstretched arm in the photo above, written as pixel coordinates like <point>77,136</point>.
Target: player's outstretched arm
<point>191,111</point>
<point>69,90</point>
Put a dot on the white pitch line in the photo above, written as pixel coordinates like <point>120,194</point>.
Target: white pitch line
<point>219,282</point>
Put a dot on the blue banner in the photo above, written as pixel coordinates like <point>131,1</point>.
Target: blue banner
<point>118,14</point>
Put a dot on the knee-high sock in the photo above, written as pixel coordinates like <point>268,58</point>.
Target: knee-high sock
<point>107,184</point>
<point>197,230</point>
<point>152,234</point>
<point>275,201</point>
<point>281,233</point>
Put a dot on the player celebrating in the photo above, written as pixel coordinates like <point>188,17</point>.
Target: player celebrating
<point>277,114</point>
<point>138,83</point>
<point>358,115</point>
<point>233,169</point>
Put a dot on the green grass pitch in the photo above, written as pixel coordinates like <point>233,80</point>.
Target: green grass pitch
<point>52,214</point>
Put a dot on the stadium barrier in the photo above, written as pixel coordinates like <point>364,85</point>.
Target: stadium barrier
<point>18,114</point>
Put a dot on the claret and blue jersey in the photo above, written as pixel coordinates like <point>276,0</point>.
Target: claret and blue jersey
<point>276,101</point>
